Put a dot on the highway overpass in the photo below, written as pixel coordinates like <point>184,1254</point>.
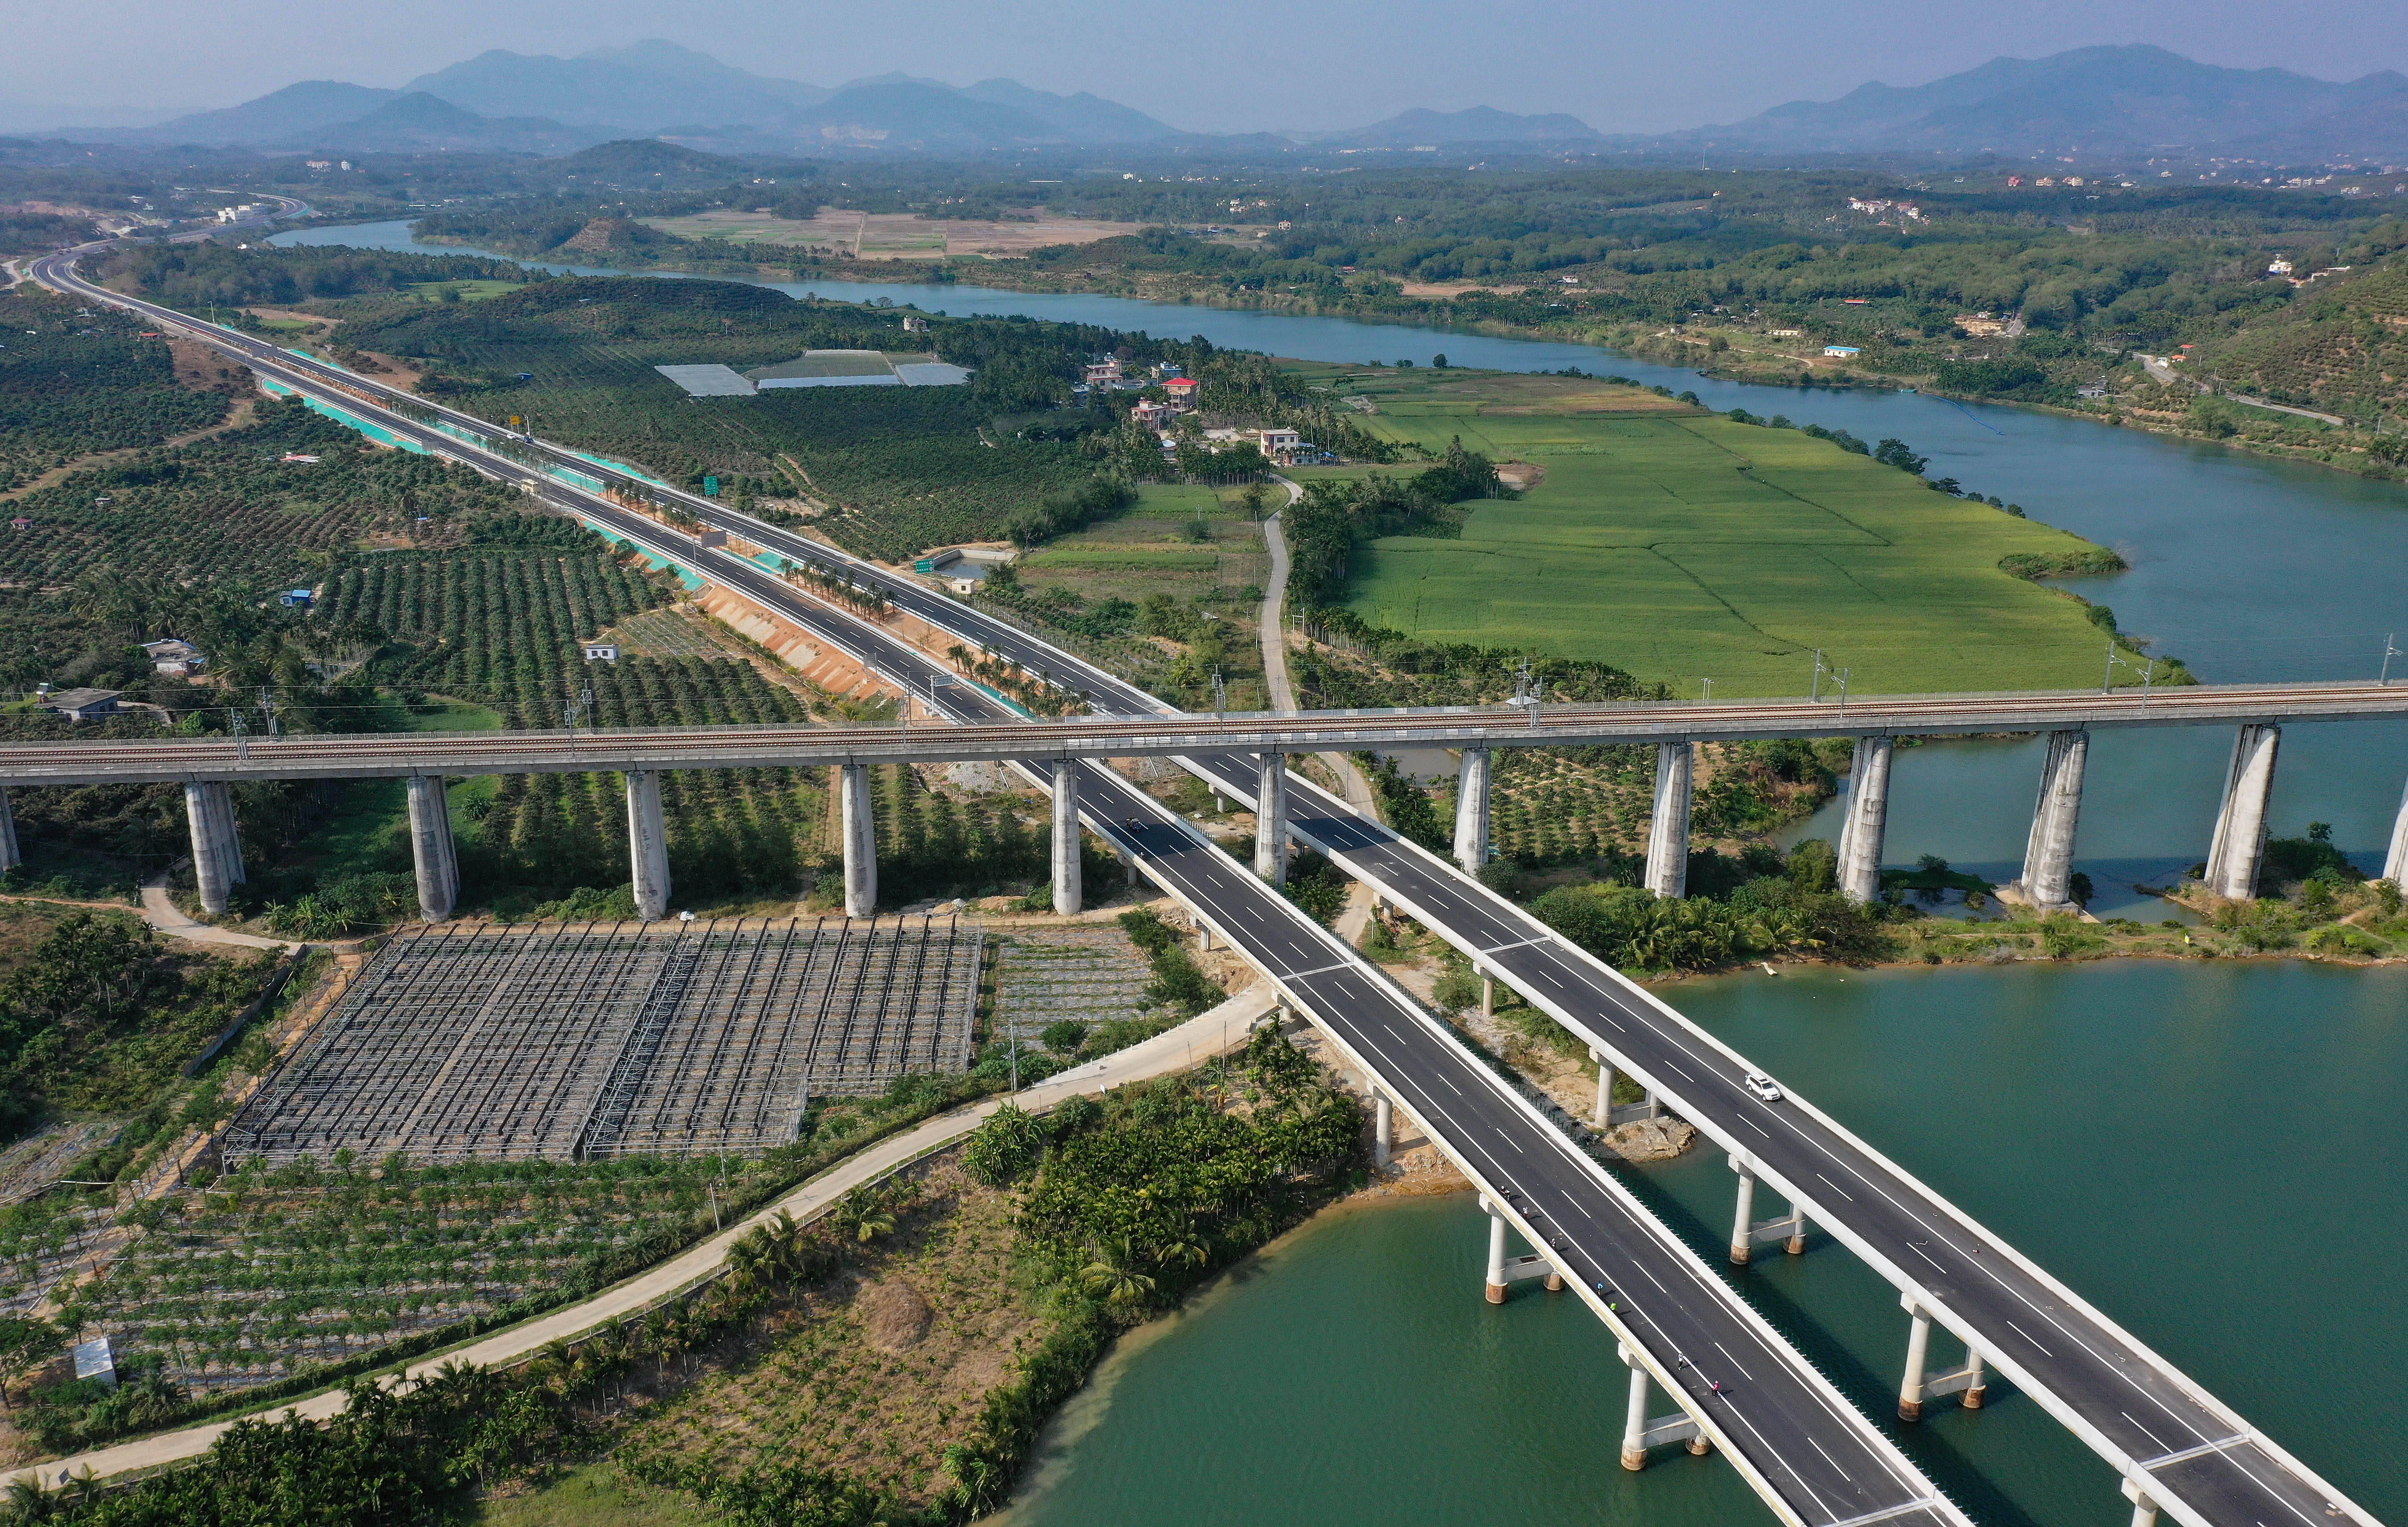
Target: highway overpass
<point>2178,1449</point>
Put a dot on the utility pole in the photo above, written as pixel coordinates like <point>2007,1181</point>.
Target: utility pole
<point>1710,691</point>
<point>2390,652</point>
<point>1842,674</point>
<point>2108,679</point>
<point>1817,692</point>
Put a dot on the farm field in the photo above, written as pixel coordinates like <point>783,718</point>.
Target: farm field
<point>895,470</point>
<point>1094,582</point>
<point>888,235</point>
<point>1684,546</point>
<point>72,383</point>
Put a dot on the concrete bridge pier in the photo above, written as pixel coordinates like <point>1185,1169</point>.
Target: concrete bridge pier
<point>217,846</point>
<point>2239,843</point>
<point>1634,1426</point>
<point>1668,830</point>
<point>431,849</point>
<point>9,857</point>
<point>1639,1434</point>
<point>1860,840</point>
<point>1602,1115</point>
<point>860,844</point>
<point>1918,1352</point>
<point>1384,1127</point>
<point>1472,810</point>
<point>1067,888</point>
<point>1497,1282</point>
<point>1270,819</point>
<point>1743,1223</point>
<point>2395,862</point>
<point>648,844</point>
<point>2048,855</point>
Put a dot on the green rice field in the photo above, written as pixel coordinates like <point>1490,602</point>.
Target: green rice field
<point>1686,547</point>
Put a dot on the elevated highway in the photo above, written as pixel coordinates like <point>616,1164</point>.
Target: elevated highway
<point>2177,1448</point>
<point>1116,733</point>
<point>1814,1460</point>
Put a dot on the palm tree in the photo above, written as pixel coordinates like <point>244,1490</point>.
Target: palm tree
<point>1114,1275</point>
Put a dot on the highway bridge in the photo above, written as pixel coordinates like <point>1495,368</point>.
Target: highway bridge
<point>1814,1459</point>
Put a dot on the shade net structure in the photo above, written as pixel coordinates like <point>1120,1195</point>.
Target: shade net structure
<point>575,1042</point>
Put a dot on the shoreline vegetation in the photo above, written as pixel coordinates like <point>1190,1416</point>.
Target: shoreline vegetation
<point>2154,400</point>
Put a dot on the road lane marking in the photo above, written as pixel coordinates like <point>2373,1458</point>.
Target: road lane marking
<point>2028,1336</point>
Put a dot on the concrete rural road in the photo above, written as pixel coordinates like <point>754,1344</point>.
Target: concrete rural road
<point>1223,1028</point>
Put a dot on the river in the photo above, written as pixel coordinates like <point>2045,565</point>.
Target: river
<point>2206,1151</point>
<point>2210,1153</point>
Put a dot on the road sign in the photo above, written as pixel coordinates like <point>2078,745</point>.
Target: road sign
<point>710,486</point>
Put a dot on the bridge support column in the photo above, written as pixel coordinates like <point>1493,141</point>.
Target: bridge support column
<point>1860,840</point>
<point>1743,1220</point>
<point>1270,819</point>
<point>2241,824</point>
<point>9,857</point>
<point>1472,810</point>
<point>1668,830</point>
<point>217,849</point>
<point>1918,1351</point>
<point>1634,1425</point>
<point>431,849</point>
<point>1602,1115</point>
<point>2048,856</point>
<point>648,844</point>
<point>860,844</point>
<point>1487,994</point>
<point>1975,1388</point>
<point>1383,1128</point>
<point>1067,889</point>
<point>2395,863</point>
<point>229,832</point>
<point>2144,1509</point>
<point>1495,1253</point>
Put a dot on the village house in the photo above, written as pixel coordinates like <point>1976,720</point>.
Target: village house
<point>175,658</point>
<point>82,704</point>
<point>1182,390</point>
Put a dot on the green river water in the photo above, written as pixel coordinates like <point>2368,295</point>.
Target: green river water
<point>2209,1152</point>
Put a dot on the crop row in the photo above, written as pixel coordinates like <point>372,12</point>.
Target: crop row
<point>72,385</point>
<point>506,630</point>
<point>245,1282</point>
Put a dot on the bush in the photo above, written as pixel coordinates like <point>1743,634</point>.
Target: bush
<point>1005,1149</point>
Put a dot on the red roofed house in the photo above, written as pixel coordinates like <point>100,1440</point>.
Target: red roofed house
<point>1182,390</point>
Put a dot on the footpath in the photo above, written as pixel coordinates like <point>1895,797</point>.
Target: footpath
<point>1223,1028</point>
<point>1274,643</point>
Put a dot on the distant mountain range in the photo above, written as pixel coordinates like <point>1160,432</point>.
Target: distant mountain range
<point>2092,102</point>
<point>506,102</point>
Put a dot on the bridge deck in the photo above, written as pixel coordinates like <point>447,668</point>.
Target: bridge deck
<point>1122,735</point>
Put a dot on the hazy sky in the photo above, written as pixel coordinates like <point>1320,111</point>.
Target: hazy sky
<point>1203,64</point>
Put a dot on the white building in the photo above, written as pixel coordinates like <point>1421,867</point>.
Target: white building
<point>175,658</point>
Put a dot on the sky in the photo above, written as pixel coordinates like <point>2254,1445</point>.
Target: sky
<point>1224,67</point>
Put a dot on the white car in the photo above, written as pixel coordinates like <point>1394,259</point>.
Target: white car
<point>1762,1085</point>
